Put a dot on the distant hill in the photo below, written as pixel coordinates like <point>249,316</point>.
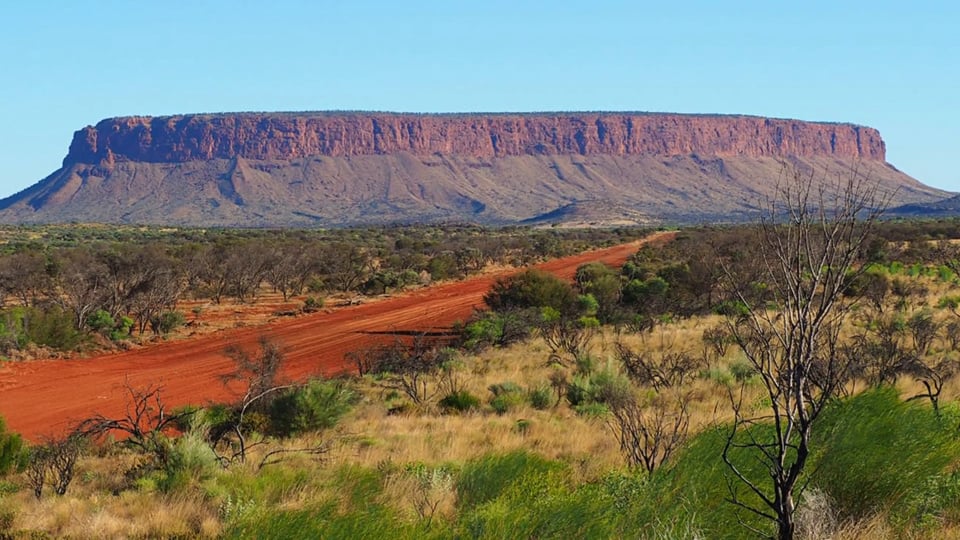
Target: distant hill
<point>350,168</point>
<point>943,208</point>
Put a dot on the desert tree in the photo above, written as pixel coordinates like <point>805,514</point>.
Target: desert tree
<point>659,369</point>
<point>82,283</point>
<point>345,265</point>
<point>649,409</point>
<point>650,428</point>
<point>257,379</point>
<point>144,425</point>
<point>289,264</point>
<point>27,276</point>
<point>567,336</point>
<point>158,293</point>
<point>54,462</point>
<point>809,241</point>
<point>415,368</point>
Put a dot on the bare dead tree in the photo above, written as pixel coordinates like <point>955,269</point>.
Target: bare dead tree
<point>658,369</point>
<point>37,467</point>
<point>881,350</point>
<point>809,239</point>
<point>143,426</point>
<point>649,431</point>
<point>275,456</point>
<point>54,463</point>
<point>413,368</point>
<point>568,336</point>
<point>718,340</point>
<point>259,378</point>
<point>933,375</point>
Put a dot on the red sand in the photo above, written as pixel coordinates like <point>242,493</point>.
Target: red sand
<point>46,397</point>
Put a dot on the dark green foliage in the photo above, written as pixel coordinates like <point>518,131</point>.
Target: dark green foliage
<point>167,322</point>
<point>602,284</point>
<point>646,291</point>
<point>879,451</point>
<point>101,321</point>
<point>312,304</point>
<point>506,397</point>
<point>493,329</point>
<point>541,398</point>
<point>13,452</point>
<point>459,401</point>
<point>742,371</point>
<point>731,308</point>
<point>317,405</point>
<point>532,289</point>
<point>48,326</point>
<point>577,392</point>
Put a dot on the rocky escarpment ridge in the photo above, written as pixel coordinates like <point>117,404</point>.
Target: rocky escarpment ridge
<point>175,139</point>
<point>346,168</point>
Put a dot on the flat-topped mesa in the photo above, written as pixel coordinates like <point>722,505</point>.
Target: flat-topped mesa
<point>272,136</point>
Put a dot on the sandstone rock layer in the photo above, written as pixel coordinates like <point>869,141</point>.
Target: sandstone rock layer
<point>333,169</point>
<point>176,139</point>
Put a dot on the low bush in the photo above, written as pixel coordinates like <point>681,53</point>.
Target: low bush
<point>541,398</point>
<point>459,401</point>
<point>13,451</point>
<point>314,406</point>
<point>312,304</point>
<point>167,322</point>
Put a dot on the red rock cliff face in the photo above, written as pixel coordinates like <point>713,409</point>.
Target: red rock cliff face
<point>294,135</point>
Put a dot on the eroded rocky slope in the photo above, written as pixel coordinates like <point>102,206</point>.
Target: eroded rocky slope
<point>329,169</point>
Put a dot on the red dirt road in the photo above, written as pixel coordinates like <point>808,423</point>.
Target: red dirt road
<point>46,397</point>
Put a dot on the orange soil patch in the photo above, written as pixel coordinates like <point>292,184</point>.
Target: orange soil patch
<point>46,397</point>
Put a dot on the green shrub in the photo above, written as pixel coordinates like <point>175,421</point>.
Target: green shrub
<point>100,321</point>
<point>532,289</point>
<point>312,304</point>
<point>491,329</point>
<point>508,387</point>
<point>541,398</point>
<point>167,322</point>
<point>718,375</point>
<point>317,405</point>
<point>50,326</point>
<point>121,329</point>
<point>577,392</point>
<point>730,308</point>
<point>460,401</point>
<point>190,460</point>
<point>13,452</point>
<point>505,403</point>
<point>742,370</point>
<point>592,410</point>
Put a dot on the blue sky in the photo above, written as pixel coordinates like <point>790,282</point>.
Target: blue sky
<point>894,66</point>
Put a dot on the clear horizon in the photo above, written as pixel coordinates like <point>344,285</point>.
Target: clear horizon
<point>885,65</point>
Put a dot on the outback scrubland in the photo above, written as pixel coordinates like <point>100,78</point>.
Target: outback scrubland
<point>795,378</point>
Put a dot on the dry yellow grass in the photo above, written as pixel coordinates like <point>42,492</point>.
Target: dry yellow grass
<point>371,438</point>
